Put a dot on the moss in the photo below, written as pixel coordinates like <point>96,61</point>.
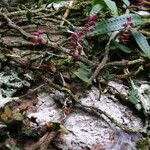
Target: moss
<point>144,144</point>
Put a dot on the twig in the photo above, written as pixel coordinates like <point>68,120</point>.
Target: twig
<point>146,2</point>
<point>32,91</point>
<point>139,8</point>
<point>124,76</point>
<point>97,110</point>
<point>125,63</point>
<point>145,32</point>
<point>65,50</point>
<point>67,12</point>
<point>24,12</point>
<point>69,23</point>
<point>43,143</point>
<point>14,26</point>
<point>60,88</point>
<point>104,60</point>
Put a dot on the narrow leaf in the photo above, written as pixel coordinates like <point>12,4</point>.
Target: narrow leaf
<point>95,9</point>
<point>127,2</point>
<point>142,42</point>
<point>116,45</point>
<point>83,72</point>
<point>82,76</point>
<point>115,24</point>
<point>112,6</point>
<point>134,98</point>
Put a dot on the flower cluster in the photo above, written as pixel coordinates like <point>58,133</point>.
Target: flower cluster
<point>128,23</point>
<point>124,35</point>
<point>78,38</point>
<point>39,39</point>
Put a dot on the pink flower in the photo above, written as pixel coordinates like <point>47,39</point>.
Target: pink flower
<point>73,44</point>
<point>124,36</point>
<point>72,51</point>
<point>74,35</point>
<point>81,41</point>
<point>34,39</point>
<point>75,56</point>
<point>38,40</point>
<point>79,48</point>
<point>92,18</point>
<point>79,36</point>
<point>129,19</point>
<point>128,23</point>
<point>81,33</point>
<point>125,25</point>
<point>35,33</point>
<point>87,25</point>
<point>41,31</point>
<point>95,18</point>
<point>128,31</point>
<point>92,23</point>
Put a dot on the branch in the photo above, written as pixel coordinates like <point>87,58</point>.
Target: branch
<point>125,63</point>
<point>104,60</point>
<point>14,26</point>
<point>43,143</point>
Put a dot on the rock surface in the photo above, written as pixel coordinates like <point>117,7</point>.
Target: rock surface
<point>87,130</point>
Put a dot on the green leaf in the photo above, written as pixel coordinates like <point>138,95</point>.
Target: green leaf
<point>83,73</point>
<point>95,9</point>
<point>116,45</point>
<point>15,148</point>
<point>108,75</point>
<point>112,6</point>
<point>94,2</point>
<point>127,2</point>
<point>115,24</point>
<point>52,1</point>
<point>133,96</point>
<point>142,42</point>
